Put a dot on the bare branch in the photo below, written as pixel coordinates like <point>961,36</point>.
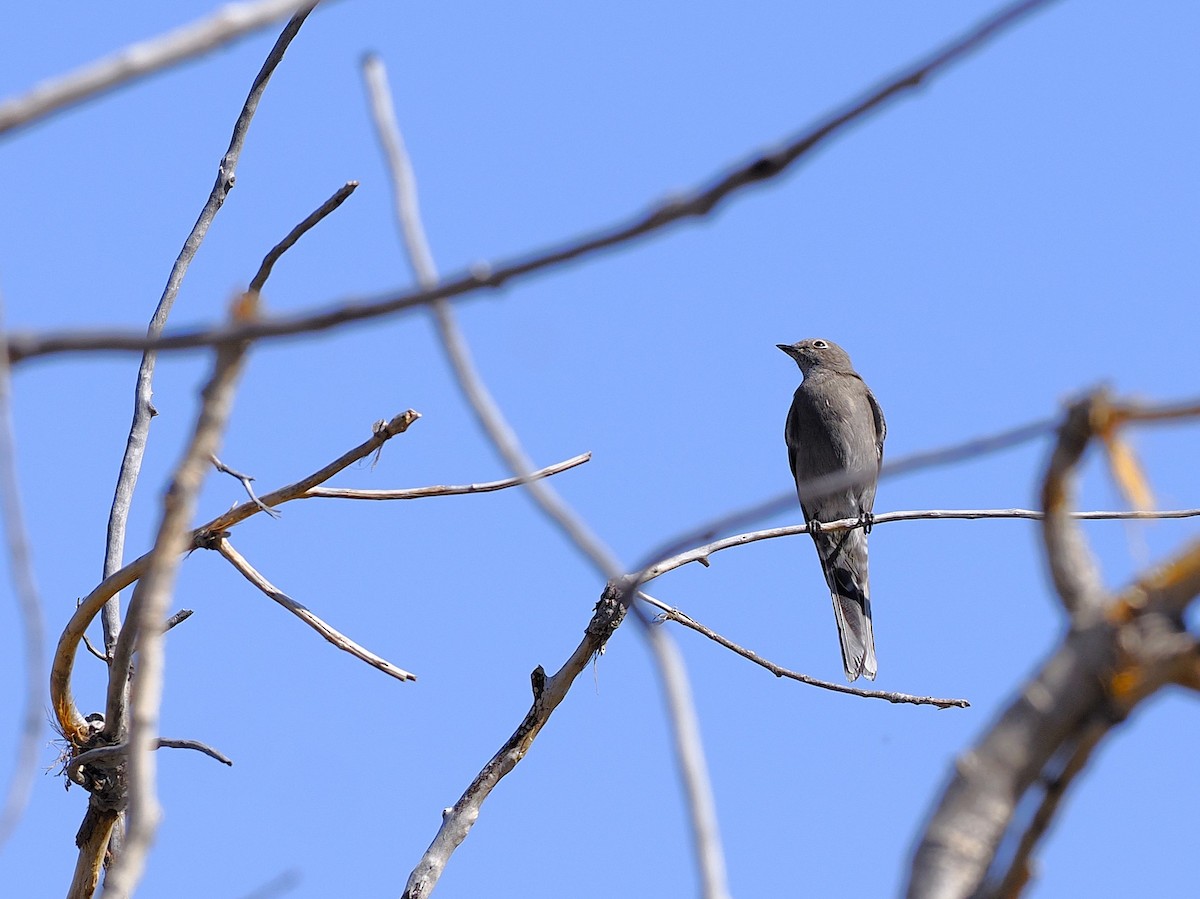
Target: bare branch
<point>264,271</point>
<point>138,60</point>
<point>69,720</point>
<point>422,492</point>
<point>178,618</point>
<point>29,610</point>
<point>164,743</point>
<point>92,839</point>
<point>689,204</point>
<point>1106,665</point>
<point>548,692</point>
<point>669,613</point>
<point>143,408</point>
<point>247,485</point>
<point>93,650</point>
<point>1019,867</point>
<point>336,637</point>
<point>145,624</point>
<point>685,726</point>
<point>786,502</point>
<point>487,411</point>
<point>1072,566</point>
<point>112,755</point>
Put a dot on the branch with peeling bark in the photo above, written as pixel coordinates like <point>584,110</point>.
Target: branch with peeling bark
<point>135,717</point>
<point>1119,651</point>
<point>669,613</point>
<point>337,638</point>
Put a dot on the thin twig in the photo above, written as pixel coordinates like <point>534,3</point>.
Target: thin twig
<point>337,199</point>
<point>110,756</point>
<point>164,743</point>
<point>669,613</point>
<point>29,610</point>
<point>458,490</point>
<point>334,636</point>
<point>247,484</point>
<point>145,622</point>
<point>685,725</point>
<point>696,203</point>
<point>67,716</point>
<point>93,650</point>
<point>1020,868</point>
<point>487,412</point>
<point>143,409</point>
<point>141,59</point>
<point>701,553</point>
<point>178,618</point>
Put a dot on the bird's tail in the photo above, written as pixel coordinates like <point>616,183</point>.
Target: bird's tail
<point>844,559</point>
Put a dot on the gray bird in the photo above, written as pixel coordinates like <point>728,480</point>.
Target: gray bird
<point>836,428</point>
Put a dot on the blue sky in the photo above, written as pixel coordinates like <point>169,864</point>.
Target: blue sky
<point>1022,228</point>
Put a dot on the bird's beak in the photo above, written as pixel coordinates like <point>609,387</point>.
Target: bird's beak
<point>787,348</point>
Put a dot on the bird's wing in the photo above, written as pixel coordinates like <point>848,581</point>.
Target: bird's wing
<point>880,422</point>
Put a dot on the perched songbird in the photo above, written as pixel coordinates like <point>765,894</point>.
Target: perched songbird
<point>835,432</point>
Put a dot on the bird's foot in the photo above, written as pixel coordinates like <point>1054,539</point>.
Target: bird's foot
<point>867,520</point>
<point>814,526</point>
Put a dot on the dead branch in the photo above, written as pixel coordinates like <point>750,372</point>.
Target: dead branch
<point>1106,665</point>
<point>143,408</point>
<point>247,485</point>
<point>334,636</point>
<point>685,726</point>
<point>145,625</point>
<point>669,613</point>
<point>141,59</point>
<point>459,490</point>
<point>548,692</point>
<point>337,199</point>
<point>696,203</point>
<point>67,715</point>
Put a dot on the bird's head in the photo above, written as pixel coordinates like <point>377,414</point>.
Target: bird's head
<point>816,354</point>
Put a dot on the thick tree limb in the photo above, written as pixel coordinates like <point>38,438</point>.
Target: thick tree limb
<point>1106,665</point>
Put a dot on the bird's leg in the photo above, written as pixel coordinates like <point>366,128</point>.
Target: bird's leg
<point>866,521</point>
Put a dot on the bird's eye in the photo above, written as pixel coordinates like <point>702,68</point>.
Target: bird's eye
<point>820,344</point>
